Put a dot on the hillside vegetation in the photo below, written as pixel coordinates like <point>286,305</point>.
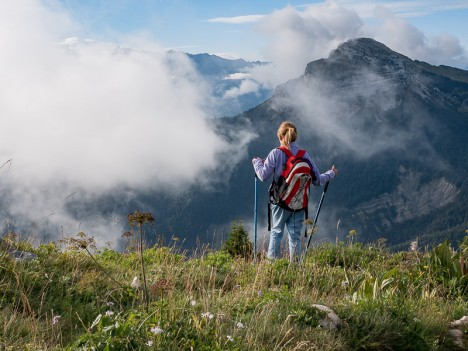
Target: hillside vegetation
<point>72,296</point>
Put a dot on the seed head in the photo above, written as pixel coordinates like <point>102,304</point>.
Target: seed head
<point>140,218</point>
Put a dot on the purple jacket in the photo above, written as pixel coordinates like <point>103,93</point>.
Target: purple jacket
<point>275,161</point>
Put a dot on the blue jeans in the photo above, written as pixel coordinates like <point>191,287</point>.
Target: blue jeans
<point>293,222</point>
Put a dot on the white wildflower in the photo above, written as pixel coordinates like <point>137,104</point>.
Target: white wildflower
<point>207,315</point>
<point>109,313</point>
<point>110,304</point>
<point>156,330</point>
<point>239,325</point>
<point>135,283</point>
<point>193,302</point>
<point>149,343</point>
<point>414,246</point>
<point>55,319</point>
<point>230,338</point>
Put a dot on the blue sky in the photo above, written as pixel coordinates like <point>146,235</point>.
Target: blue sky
<point>230,28</point>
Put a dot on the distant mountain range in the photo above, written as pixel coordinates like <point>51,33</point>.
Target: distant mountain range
<point>396,129</point>
<point>225,78</point>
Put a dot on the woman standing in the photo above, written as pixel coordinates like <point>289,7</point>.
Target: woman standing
<point>282,217</point>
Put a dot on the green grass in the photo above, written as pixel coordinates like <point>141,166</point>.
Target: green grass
<point>386,301</point>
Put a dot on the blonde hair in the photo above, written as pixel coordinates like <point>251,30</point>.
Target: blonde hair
<point>289,133</point>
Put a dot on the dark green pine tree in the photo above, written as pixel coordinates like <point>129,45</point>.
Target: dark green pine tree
<point>238,243</point>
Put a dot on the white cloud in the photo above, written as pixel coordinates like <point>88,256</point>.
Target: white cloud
<point>298,37</point>
<point>237,19</point>
<point>247,86</point>
<point>100,115</point>
<point>93,117</point>
<point>238,75</point>
<point>404,38</point>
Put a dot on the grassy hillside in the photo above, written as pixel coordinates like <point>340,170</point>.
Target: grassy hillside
<point>73,297</point>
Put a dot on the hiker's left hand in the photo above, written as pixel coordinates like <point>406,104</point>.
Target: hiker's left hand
<point>335,170</point>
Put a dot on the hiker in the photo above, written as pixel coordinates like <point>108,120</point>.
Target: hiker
<point>281,215</point>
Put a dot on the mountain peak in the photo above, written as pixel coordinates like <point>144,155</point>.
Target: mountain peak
<point>363,47</point>
<point>367,50</point>
<point>362,53</point>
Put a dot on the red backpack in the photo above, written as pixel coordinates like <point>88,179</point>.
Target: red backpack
<point>292,190</point>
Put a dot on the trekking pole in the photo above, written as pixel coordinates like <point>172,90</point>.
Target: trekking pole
<point>255,221</point>
<point>316,217</point>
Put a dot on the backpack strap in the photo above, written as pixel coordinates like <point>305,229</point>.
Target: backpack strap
<point>288,152</point>
<point>269,216</point>
<point>285,150</point>
<point>300,153</point>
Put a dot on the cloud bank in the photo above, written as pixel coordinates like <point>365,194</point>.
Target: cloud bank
<point>85,118</point>
<point>297,37</point>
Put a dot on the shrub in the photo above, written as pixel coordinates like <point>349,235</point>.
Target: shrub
<point>238,243</point>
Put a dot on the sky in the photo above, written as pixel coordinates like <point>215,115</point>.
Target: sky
<point>90,103</point>
<point>233,29</point>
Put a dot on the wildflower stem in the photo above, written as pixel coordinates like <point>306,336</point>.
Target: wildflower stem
<point>143,268</point>
<point>102,268</point>
<point>146,319</point>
